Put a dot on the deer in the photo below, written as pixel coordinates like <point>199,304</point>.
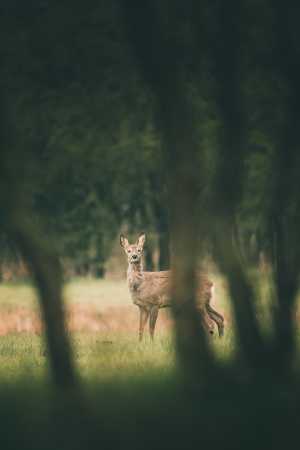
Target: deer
<point>151,291</point>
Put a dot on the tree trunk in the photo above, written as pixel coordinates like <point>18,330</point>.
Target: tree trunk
<point>161,209</point>
<point>164,250</point>
<point>47,273</point>
<point>35,250</point>
<point>149,258</point>
<point>178,127</point>
<point>157,50</point>
<point>286,281</point>
<point>229,180</point>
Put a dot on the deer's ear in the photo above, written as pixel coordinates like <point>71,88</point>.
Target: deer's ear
<point>141,240</point>
<point>123,241</point>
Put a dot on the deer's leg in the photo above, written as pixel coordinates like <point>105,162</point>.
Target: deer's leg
<point>217,318</point>
<point>206,320</point>
<point>144,314</point>
<point>153,318</point>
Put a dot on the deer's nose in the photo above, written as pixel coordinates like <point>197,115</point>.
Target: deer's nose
<point>134,256</point>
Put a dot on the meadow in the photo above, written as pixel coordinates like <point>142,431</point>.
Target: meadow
<point>131,397</point>
<point>103,329</point>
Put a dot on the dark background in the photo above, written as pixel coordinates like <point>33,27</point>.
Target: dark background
<point>181,119</point>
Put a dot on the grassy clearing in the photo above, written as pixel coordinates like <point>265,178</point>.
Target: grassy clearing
<point>103,327</point>
<point>132,398</point>
<point>23,357</point>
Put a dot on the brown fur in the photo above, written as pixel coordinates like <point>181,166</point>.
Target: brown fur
<point>151,291</point>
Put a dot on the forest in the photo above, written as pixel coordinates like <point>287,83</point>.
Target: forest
<point>175,119</point>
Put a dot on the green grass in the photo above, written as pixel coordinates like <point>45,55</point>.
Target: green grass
<point>23,357</point>
<point>98,355</point>
<point>132,394</point>
<point>105,347</point>
<point>107,353</point>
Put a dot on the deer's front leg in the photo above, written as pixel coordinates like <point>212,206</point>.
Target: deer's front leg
<point>153,318</point>
<point>144,314</point>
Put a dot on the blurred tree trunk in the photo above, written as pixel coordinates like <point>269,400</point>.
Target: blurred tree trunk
<point>157,46</point>
<point>39,255</point>
<point>149,258</point>
<point>286,283</point>
<point>161,213</point>
<point>164,249</point>
<point>47,273</point>
<point>284,216</point>
<point>179,134</point>
<point>163,229</point>
<point>228,62</point>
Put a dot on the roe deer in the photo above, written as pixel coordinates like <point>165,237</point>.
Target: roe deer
<point>151,291</point>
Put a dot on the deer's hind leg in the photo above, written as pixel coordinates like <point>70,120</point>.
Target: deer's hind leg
<point>206,320</point>
<point>153,318</point>
<point>217,318</point>
<point>144,315</point>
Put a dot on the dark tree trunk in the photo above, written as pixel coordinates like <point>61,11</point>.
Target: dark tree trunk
<point>149,258</point>
<point>286,281</point>
<point>48,277</point>
<point>157,50</point>
<point>285,217</point>
<point>226,54</point>
<point>164,250</point>
<point>99,271</point>
<point>34,248</point>
<point>161,211</point>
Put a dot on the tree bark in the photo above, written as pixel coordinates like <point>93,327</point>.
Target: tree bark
<point>284,214</point>
<point>47,273</point>
<point>36,251</point>
<point>227,57</point>
<point>149,258</point>
<point>164,250</point>
<point>157,49</point>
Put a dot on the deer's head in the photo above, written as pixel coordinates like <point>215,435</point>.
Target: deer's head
<point>134,252</point>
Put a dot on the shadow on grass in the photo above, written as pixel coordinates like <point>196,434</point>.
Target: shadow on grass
<point>154,412</point>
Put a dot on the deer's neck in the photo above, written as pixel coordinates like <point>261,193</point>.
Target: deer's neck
<point>135,275</point>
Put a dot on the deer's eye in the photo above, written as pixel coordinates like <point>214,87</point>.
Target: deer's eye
<point>129,251</point>
<point>139,250</point>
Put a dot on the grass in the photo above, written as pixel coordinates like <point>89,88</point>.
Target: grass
<point>131,398</point>
<point>103,332</point>
<point>103,325</point>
